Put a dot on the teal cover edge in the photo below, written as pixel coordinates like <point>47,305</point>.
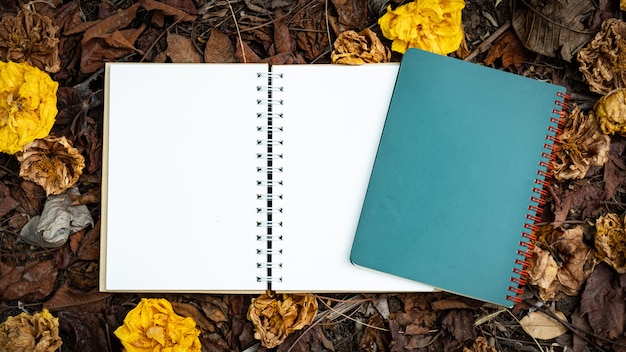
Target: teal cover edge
<point>454,173</point>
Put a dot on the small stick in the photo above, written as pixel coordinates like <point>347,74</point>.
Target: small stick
<point>487,42</point>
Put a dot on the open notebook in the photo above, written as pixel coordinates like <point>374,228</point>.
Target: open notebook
<point>456,187</point>
<point>235,178</point>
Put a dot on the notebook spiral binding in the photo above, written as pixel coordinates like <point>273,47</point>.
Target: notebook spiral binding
<point>269,154</point>
<point>535,210</point>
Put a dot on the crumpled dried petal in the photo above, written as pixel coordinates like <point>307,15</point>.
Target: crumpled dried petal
<point>58,220</point>
<point>30,37</point>
<point>542,273</point>
<point>28,105</point>
<point>610,241</point>
<point>576,262</point>
<point>581,145</point>
<point>52,163</point>
<point>603,60</point>
<point>432,25</point>
<point>352,48</point>
<point>154,326</point>
<point>610,110</point>
<point>274,319</point>
<point>30,333</point>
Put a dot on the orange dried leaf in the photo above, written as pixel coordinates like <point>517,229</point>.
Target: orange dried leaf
<point>509,48</point>
<point>52,163</point>
<point>181,49</point>
<point>274,319</point>
<point>219,48</point>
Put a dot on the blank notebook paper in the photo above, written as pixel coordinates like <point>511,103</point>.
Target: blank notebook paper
<point>239,178</point>
<point>458,176</point>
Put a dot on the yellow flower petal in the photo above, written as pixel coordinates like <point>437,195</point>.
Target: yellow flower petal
<point>154,326</point>
<point>27,105</point>
<point>433,25</point>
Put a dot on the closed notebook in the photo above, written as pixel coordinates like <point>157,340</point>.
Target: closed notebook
<point>239,177</point>
<point>458,177</point>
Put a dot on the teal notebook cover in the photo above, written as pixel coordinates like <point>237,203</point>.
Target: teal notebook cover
<point>455,171</point>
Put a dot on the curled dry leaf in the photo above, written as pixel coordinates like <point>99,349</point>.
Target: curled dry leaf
<point>575,262</point>
<point>542,326</point>
<point>603,60</point>
<point>51,162</point>
<point>610,111</point>
<point>36,333</point>
<point>610,241</point>
<point>274,319</point>
<point>30,37</point>
<point>352,48</point>
<point>581,145</point>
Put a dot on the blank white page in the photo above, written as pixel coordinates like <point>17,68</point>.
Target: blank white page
<point>179,192</point>
<point>333,117</point>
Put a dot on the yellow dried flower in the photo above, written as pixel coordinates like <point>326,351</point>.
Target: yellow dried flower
<point>33,333</point>
<point>610,111</point>
<point>274,319</point>
<point>27,105</point>
<point>30,37</point>
<point>153,326</point>
<point>432,25</point>
<point>610,241</point>
<point>352,48</point>
<point>52,163</point>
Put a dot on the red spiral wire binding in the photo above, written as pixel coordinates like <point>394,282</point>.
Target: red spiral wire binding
<point>535,209</point>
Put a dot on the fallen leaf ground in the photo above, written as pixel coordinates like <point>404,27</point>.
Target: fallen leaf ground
<point>65,280</point>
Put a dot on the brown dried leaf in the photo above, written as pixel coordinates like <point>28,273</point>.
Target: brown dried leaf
<point>602,303</point>
<point>30,37</point>
<point>311,36</point>
<point>52,163</point>
<point>582,198</point>
<point>603,60</point>
<point>85,329</point>
<point>541,326</point>
<point>219,48</point>
<point>610,241</point>
<point>245,53</point>
<point>34,333</point>
<point>373,338</point>
<point>555,28</point>
<point>614,168</point>
<point>580,146</point>
<point>275,318</point>
<point>73,300</point>
<point>460,322</point>
<point>167,10</point>
<point>356,49</point>
<point>351,14</point>
<point>112,23</point>
<point>31,282</point>
<point>180,49</point>
<point>283,43</point>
